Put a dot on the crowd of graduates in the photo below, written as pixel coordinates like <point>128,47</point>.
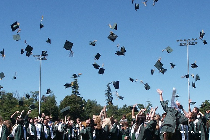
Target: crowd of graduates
<point>174,124</point>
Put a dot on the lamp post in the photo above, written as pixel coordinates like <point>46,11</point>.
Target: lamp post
<point>187,42</point>
<point>40,58</point>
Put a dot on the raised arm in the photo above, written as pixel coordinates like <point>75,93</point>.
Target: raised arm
<point>132,113</point>
<point>160,93</point>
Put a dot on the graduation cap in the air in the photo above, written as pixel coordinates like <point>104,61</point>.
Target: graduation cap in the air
<point>15,26</point>
<point>146,85</point>
<point>204,42</point>
<point>27,96</point>
<point>193,65</point>
<point>31,107</point>
<point>101,71</point>
<point>97,56</point>
<point>2,75</point>
<point>121,52</point>
<point>48,91</point>
<point>41,25</point>
<point>193,85</point>
<point>28,50</point>
<point>132,1</point>
<point>185,76</point>
<point>135,108</point>
<point>67,85</point>
<point>22,51</point>
<point>93,43</point>
<point>48,40</point>
<point>113,27</point>
<point>159,66</point>
<point>15,76</point>
<point>16,37</point>
<point>145,2</point>
<point>2,53</point>
<point>202,34</point>
<point>168,49</point>
<point>197,77</point>
<point>172,65</point>
<point>1,87</point>
<point>152,71</point>
<point>131,79</point>
<point>112,36</point>
<point>136,6</point>
<point>116,84</point>
<point>96,66</point>
<point>192,103</point>
<point>154,1</point>
<point>68,46</point>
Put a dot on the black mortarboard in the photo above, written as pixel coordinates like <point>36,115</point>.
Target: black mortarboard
<point>136,6</point>
<point>101,71</point>
<point>48,91</point>
<point>67,85</point>
<point>96,66</point>
<point>28,50</point>
<point>74,75</point>
<point>135,108</point>
<point>172,65</point>
<point>120,97</point>
<point>22,51</point>
<point>114,26</point>
<point>48,40</point>
<point>185,76</point>
<point>152,71</point>
<point>168,49</point>
<point>15,77</point>
<point>131,79</point>
<point>121,52</point>
<point>163,70</point>
<point>194,65</point>
<point>202,34</point>
<point>16,37</point>
<point>2,75</point>
<point>27,96</point>
<point>1,87</point>
<point>154,1</point>
<point>116,84</point>
<point>97,56</point>
<point>197,77</point>
<point>204,42</point>
<point>44,53</point>
<point>20,103</point>
<point>68,45</point>
<point>93,43</point>
<point>112,36</point>
<point>193,85</point>
<point>41,25</point>
<point>31,107</point>
<point>192,103</point>
<point>2,53</point>
<point>158,65</point>
<point>146,85</point>
<point>15,26</point>
<point>132,1</point>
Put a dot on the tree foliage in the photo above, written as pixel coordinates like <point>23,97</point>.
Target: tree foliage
<point>108,95</point>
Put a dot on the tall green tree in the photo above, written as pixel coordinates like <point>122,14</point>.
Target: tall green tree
<point>91,107</point>
<point>205,106</point>
<point>76,106</point>
<point>108,95</point>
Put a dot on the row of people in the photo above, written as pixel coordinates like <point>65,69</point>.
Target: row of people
<point>174,124</point>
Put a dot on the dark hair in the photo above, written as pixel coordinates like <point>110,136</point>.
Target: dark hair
<point>140,119</point>
<point>197,110</point>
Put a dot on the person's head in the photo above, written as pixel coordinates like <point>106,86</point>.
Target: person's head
<point>195,110</point>
<point>124,116</point>
<point>191,116</point>
<point>87,122</point>
<point>140,118</point>
<point>8,125</point>
<point>45,122</point>
<point>163,116</point>
<point>78,120</point>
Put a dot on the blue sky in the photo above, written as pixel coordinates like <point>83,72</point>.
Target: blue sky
<point>144,33</point>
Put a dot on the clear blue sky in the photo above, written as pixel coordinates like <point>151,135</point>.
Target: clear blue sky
<point>144,33</point>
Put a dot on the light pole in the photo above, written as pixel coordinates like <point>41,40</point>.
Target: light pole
<point>187,42</point>
<point>40,58</point>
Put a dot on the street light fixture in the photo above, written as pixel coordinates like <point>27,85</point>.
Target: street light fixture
<point>187,42</point>
<point>40,58</point>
